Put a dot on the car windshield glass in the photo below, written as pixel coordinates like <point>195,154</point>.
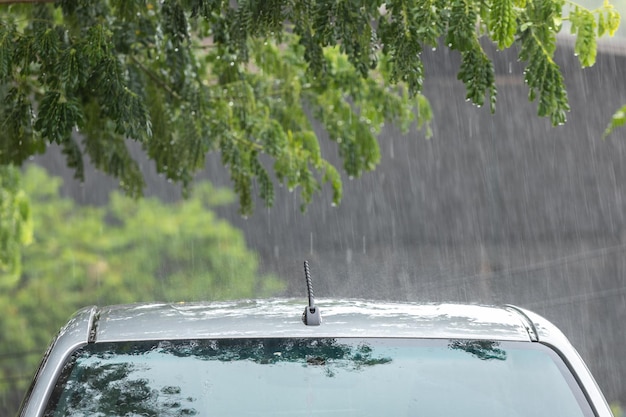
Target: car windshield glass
<point>327,377</point>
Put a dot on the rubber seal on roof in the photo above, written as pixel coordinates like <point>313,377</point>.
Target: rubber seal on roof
<point>528,323</point>
<point>311,315</point>
<point>93,325</point>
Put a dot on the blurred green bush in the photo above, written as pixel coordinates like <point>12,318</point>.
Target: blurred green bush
<point>128,251</point>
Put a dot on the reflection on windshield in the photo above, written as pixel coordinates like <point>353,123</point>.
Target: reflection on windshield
<point>324,377</point>
<point>481,349</point>
<point>271,351</point>
<point>109,389</point>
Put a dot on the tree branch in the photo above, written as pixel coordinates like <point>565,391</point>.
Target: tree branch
<point>25,1</point>
<point>155,77</point>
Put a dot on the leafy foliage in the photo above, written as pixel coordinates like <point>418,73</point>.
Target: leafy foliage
<point>185,78</point>
<point>502,23</point>
<point>128,251</point>
<point>188,77</point>
<point>542,74</point>
<point>618,120</point>
<point>584,26</point>
<point>250,79</point>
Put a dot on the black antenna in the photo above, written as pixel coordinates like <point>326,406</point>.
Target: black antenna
<point>311,315</point>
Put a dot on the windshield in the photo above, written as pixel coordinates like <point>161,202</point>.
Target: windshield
<point>317,377</point>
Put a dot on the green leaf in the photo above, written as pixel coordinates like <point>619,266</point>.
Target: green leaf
<point>525,26</point>
<point>332,175</point>
<point>7,44</point>
<point>70,68</point>
<point>584,26</point>
<point>20,139</point>
<point>618,120</point>
<point>48,45</point>
<point>74,157</point>
<point>425,113</point>
<point>461,34</point>
<point>57,117</point>
<point>266,188</point>
<point>428,20</point>
<point>602,27</point>
<point>404,52</point>
<point>544,78</point>
<point>478,75</point>
<point>613,21</point>
<point>502,22</point>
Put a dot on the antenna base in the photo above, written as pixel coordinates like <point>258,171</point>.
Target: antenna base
<point>312,316</point>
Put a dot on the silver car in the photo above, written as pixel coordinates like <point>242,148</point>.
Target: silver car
<point>258,358</point>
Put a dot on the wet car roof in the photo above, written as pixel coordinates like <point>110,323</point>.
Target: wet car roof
<point>282,318</point>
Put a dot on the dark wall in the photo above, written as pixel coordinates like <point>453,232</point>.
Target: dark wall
<point>494,208</point>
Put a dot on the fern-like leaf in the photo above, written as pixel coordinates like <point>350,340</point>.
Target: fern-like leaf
<point>618,120</point>
<point>478,75</point>
<point>502,22</point>
<point>584,26</point>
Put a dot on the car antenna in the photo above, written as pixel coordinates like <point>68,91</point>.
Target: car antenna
<point>311,315</point>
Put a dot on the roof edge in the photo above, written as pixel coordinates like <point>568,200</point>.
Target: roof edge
<point>528,323</point>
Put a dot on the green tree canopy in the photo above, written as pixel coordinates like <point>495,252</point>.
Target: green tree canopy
<point>248,79</point>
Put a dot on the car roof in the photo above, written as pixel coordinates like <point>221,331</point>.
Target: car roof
<point>282,318</point>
